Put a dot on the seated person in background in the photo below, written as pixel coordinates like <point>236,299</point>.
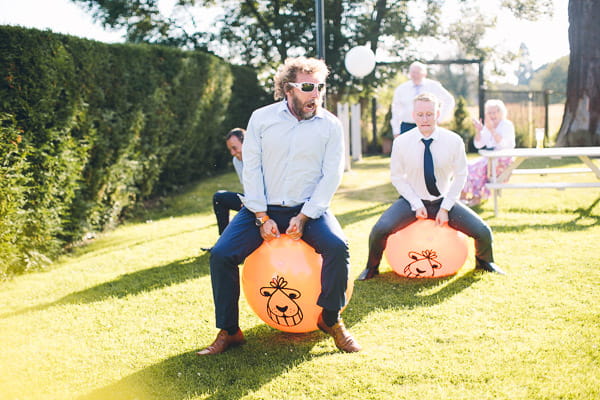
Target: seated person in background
<point>223,201</point>
<point>495,133</point>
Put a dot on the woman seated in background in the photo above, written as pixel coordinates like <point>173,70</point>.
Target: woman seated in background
<point>494,134</point>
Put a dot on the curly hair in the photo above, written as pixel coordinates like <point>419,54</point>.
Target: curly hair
<point>290,69</point>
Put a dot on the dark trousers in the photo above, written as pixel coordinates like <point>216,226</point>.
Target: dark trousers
<point>400,215</point>
<point>242,237</point>
<point>406,126</point>
<point>224,201</point>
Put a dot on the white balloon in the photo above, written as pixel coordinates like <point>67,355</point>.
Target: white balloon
<point>360,61</point>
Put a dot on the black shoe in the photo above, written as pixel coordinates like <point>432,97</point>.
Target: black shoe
<point>368,273</point>
<point>208,249</point>
<point>489,267</point>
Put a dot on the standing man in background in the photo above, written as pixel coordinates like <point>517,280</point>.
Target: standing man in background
<point>402,103</point>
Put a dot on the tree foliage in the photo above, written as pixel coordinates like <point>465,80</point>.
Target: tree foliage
<point>552,76</point>
<point>144,22</point>
<point>528,9</point>
<point>89,130</point>
<point>525,70</point>
<point>263,33</point>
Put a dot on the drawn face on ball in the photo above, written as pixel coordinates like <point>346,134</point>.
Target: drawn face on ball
<point>281,306</point>
<point>424,264</point>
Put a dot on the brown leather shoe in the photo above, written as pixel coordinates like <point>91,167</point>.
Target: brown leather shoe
<point>223,341</point>
<point>342,338</point>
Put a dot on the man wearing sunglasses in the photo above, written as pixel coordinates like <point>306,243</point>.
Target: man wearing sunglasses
<point>293,164</point>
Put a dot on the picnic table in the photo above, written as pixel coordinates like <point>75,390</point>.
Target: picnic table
<point>497,183</point>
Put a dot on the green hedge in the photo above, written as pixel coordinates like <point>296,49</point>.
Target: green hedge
<point>88,129</point>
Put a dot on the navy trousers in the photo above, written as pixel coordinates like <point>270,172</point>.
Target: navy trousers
<point>242,237</point>
<point>400,215</point>
<point>224,201</point>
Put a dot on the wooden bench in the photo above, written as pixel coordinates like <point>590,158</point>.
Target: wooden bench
<point>497,183</point>
<point>544,171</point>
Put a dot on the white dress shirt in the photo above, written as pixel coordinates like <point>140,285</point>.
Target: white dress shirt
<point>402,103</point>
<point>238,165</point>
<point>506,129</point>
<point>449,164</point>
<point>289,162</point>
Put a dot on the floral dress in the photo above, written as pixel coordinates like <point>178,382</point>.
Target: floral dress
<point>475,188</point>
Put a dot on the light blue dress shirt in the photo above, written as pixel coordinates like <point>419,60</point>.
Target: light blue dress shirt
<point>289,162</point>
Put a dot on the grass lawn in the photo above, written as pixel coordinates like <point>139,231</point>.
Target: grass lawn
<point>121,317</point>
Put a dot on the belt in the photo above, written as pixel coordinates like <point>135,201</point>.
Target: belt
<point>280,207</point>
<point>429,202</point>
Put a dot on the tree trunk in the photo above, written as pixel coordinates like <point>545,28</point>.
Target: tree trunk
<point>580,125</point>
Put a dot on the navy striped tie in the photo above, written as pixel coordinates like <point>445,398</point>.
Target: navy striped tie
<point>428,169</point>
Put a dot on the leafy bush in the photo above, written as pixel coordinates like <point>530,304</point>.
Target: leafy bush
<point>462,124</point>
<point>101,128</point>
<point>13,193</point>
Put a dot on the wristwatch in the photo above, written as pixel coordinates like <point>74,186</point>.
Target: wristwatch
<point>260,221</point>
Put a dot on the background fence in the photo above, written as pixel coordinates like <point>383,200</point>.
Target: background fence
<point>527,110</point>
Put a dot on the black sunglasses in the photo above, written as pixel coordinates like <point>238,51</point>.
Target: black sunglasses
<point>308,86</point>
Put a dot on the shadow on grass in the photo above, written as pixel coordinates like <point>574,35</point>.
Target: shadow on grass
<point>580,214</point>
<point>192,198</point>
<point>355,216</point>
<point>391,291</point>
<point>232,375</point>
<point>196,198</point>
<point>270,353</point>
<point>109,244</point>
<point>131,284</point>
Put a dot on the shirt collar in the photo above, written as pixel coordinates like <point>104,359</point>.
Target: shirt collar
<point>435,135</point>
